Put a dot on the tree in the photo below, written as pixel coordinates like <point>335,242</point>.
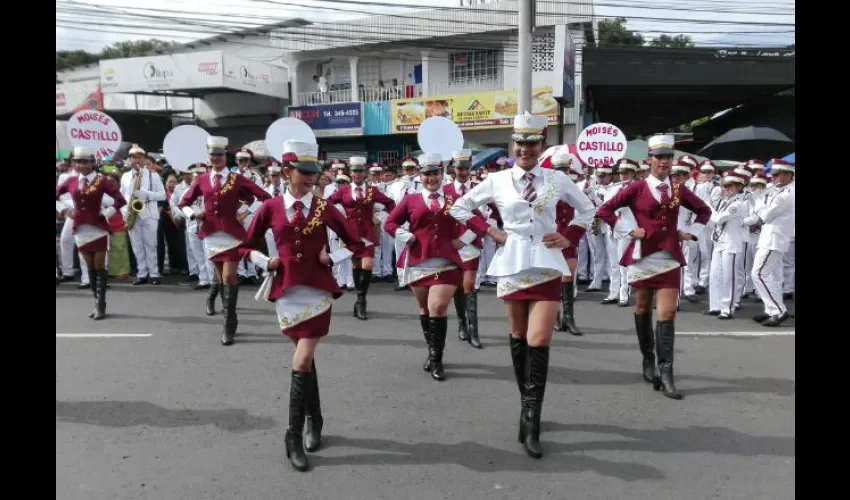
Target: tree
<point>672,42</point>
<point>614,32</point>
<point>66,59</point>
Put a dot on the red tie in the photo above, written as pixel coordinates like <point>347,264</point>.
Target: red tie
<point>218,181</point>
<point>85,184</point>
<point>665,199</point>
<point>462,189</point>
<point>435,204</point>
<point>359,193</point>
<point>298,219</point>
<point>529,193</point>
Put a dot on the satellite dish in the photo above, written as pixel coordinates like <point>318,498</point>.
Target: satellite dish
<point>287,129</point>
<point>440,135</point>
<point>184,146</point>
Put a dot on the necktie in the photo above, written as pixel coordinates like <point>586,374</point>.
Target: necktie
<point>462,189</point>
<point>85,184</point>
<point>665,198</point>
<point>298,218</point>
<point>529,193</point>
<point>359,193</point>
<point>435,203</point>
<point>276,190</point>
<point>218,181</point>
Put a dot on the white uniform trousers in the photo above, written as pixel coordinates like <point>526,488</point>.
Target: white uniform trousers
<point>246,268</point>
<point>377,258</point>
<point>206,269</point>
<point>190,256</point>
<point>690,273</point>
<point>67,246</point>
<point>271,245</point>
<point>599,255</point>
<point>385,264</point>
<point>706,246</point>
<point>767,278</point>
<point>788,269</point>
<point>487,253</point>
<point>750,255</point>
<point>721,282</point>
<point>740,278</point>
<point>399,246</point>
<point>613,257</point>
<point>143,239</point>
<point>343,272</point>
<point>625,289</point>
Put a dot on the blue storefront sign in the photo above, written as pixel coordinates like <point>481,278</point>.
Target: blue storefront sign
<point>331,120</point>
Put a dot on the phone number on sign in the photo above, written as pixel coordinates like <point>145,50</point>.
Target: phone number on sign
<point>344,112</point>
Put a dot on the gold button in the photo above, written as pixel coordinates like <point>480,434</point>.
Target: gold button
<point>663,217</point>
<point>298,255</point>
<point>664,228</point>
<point>215,213</point>
<point>297,229</point>
<point>297,242</point>
<point>435,236</point>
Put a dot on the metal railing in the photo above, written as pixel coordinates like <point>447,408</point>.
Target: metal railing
<point>375,93</point>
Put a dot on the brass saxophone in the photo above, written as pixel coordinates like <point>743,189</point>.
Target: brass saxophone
<point>136,205</point>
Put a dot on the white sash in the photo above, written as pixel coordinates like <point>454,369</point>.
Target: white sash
<point>301,303</point>
<point>218,243</point>
<point>86,234</point>
<point>525,279</point>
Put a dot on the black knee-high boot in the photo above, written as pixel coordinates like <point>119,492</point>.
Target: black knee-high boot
<point>568,298</point>
<point>102,279</point>
<point>230,295</point>
<point>437,327</point>
<point>425,323</point>
<point>215,287</point>
<point>460,309</point>
<point>537,370</point>
<point>362,290</point>
<point>665,335</point>
<point>314,421</point>
<point>297,413</point>
<point>355,275</point>
<point>93,284</point>
<point>519,356</point>
<point>643,327</point>
<point>472,319</point>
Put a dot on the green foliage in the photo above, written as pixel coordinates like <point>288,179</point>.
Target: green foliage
<point>66,59</point>
<point>672,42</point>
<point>615,32</point>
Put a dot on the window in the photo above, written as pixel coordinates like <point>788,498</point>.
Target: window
<point>543,52</point>
<point>475,66</point>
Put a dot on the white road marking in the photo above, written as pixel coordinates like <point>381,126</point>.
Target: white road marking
<point>766,333</point>
<point>99,335</point>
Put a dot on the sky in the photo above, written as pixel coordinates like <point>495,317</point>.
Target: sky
<point>708,22</point>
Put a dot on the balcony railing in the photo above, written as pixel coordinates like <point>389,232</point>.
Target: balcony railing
<point>465,86</point>
<point>375,93</point>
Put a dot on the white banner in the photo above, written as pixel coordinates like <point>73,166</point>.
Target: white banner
<point>192,71</point>
<point>255,77</point>
<point>183,71</point>
<point>73,97</point>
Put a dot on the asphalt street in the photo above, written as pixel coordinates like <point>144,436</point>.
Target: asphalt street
<point>174,415</point>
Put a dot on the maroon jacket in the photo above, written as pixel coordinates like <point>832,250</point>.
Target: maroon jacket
<point>361,213</point>
<point>87,205</point>
<point>221,205</point>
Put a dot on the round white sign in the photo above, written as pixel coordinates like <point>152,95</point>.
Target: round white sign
<point>601,144</point>
<point>184,146</point>
<point>287,129</point>
<point>94,130</point>
<point>438,134</point>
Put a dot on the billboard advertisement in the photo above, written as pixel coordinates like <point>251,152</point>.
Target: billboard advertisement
<point>472,111</point>
<point>331,120</point>
<point>565,67</point>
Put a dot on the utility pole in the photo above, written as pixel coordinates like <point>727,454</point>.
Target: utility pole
<point>525,12</point>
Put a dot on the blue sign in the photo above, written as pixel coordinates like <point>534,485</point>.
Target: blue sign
<point>331,120</point>
<point>564,89</point>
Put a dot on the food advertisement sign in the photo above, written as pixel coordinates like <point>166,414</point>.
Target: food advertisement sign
<point>474,111</point>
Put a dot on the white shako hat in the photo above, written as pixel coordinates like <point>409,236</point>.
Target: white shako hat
<point>341,177</point>
<point>661,144</point>
<point>244,153</point>
<point>780,165</point>
<point>135,149</point>
<point>82,153</point>
<point>273,169</point>
<point>429,162</point>
<point>375,169</point>
<point>528,127</point>
<point>303,156</point>
<point>357,163</point>
<point>732,177</point>
<point>217,145</point>
<point>462,158</point>
<point>627,164</point>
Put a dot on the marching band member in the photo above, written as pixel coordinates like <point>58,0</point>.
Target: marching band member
<point>466,299</point>
<point>620,235</point>
<point>222,233</point>
<point>90,224</point>
<point>341,270</point>
<point>359,202</point>
<point>681,172</point>
<point>274,189</point>
<point>744,172</point>
<point>587,252</point>
<point>300,284</point>
<point>409,183</point>
<point>607,262</point>
<point>643,169</point>
<point>710,193</point>
<point>756,191</point>
<point>776,217</point>
<point>431,264</point>
<point>388,180</point>
<point>143,184</point>
<point>375,180</point>
<point>244,164</point>
<point>655,256</point>
<point>65,206</point>
<point>195,245</point>
<point>530,265</point>
<point>179,219</point>
<point>728,233</point>
<point>565,162</point>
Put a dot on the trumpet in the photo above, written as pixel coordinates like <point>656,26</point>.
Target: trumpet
<point>596,226</point>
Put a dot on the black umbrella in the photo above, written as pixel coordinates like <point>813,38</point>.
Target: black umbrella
<point>749,142</point>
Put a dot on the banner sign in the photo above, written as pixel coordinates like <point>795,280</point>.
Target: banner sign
<point>474,111</point>
<point>331,120</point>
<point>95,130</point>
<point>565,67</point>
<point>601,144</point>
